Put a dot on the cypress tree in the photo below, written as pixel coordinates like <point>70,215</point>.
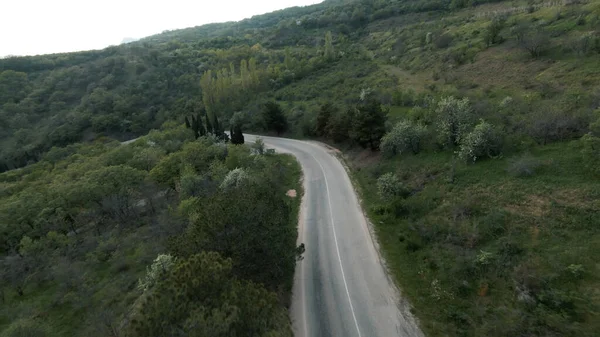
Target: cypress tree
<point>195,127</point>
<point>209,127</point>
<point>236,135</point>
<point>201,130</point>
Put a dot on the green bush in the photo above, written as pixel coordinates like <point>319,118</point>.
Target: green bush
<point>389,186</point>
<point>405,136</point>
<point>482,141</point>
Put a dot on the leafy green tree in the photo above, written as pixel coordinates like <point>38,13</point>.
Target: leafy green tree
<point>166,172</point>
<point>250,224</point>
<point>338,128</point>
<point>13,86</point>
<point>202,297</point>
<point>146,158</point>
<point>326,111</point>
<point>274,119</point>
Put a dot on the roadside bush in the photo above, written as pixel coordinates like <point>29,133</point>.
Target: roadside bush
<point>258,146</point>
<point>482,141</point>
<point>389,186</point>
<point>405,136</point>
<point>523,166</point>
<point>454,119</point>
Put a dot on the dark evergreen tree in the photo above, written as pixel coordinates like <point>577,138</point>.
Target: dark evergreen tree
<point>274,118</point>
<point>324,118</point>
<point>187,122</point>
<point>237,136</point>
<point>195,127</point>
<point>368,123</point>
<point>209,127</point>
<point>200,125</point>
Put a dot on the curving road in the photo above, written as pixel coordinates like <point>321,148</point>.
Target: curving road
<point>341,287</point>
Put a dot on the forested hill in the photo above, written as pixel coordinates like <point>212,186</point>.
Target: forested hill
<point>472,129</point>
<point>126,90</point>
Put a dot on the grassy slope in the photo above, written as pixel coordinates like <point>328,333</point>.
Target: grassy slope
<point>468,253</point>
<point>534,228</point>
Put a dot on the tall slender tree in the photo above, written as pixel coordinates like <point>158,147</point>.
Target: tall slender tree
<point>329,52</point>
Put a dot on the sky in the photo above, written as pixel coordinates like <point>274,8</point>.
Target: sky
<point>30,27</point>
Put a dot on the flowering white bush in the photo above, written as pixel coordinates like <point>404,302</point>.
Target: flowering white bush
<point>405,136</point>
<point>454,120</point>
<point>234,178</point>
<point>159,268</point>
<point>389,186</point>
<point>482,141</point>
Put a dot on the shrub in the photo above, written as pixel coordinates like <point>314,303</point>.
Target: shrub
<point>492,33</point>
<point>523,166</point>
<point>443,41</point>
<point>549,125</point>
<point>405,136</point>
<point>389,186</point>
<point>258,146</point>
<point>157,271</point>
<point>535,41</point>
<point>482,141</point>
<point>454,119</point>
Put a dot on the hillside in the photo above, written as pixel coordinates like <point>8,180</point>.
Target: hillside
<point>472,129</point>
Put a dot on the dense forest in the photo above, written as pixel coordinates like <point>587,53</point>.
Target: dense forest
<point>472,129</point>
<point>154,238</point>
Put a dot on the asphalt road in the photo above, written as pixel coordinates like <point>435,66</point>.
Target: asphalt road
<point>341,287</point>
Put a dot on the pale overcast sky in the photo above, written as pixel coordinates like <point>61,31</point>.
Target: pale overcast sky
<point>30,27</point>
